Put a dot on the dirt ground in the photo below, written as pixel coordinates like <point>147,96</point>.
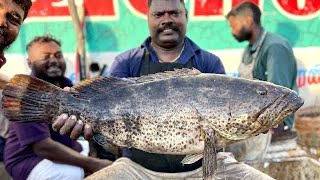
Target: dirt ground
<point>287,160</point>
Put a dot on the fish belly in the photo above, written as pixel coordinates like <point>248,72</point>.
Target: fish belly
<point>166,131</point>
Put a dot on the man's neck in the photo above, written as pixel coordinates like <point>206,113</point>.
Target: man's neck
<point>168,54</point>
<point>255,34</point>
<point>55,81</point>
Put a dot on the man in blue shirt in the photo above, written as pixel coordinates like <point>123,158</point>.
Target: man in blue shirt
<point>167,48</point>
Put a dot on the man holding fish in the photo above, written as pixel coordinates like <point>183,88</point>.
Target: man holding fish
<point>33,150</point>
<point>167,48</point>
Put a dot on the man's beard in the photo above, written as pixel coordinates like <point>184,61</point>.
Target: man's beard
<point>44,76</point>
<point>244,35</point>
<point>4,47</point>
<point>6,43</point>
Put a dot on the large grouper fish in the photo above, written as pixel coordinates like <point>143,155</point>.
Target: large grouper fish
<point>175,112</point>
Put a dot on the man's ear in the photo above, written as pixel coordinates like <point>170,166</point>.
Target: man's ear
<point>186,14</point>
<point>248,20</point>
<point>29,63</point>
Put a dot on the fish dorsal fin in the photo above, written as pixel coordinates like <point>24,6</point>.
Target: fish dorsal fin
<point>169,74</point>
<point>92,87</point>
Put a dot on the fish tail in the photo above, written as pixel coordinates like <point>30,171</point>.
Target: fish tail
<point>28,99</point>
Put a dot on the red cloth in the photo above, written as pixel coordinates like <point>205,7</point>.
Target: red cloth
<point>3,60</point>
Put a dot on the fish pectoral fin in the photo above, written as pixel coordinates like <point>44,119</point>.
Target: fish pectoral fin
<point>106,144</point>
<point>192,158</point>
<point>100,139</point>
<point>209,155</point>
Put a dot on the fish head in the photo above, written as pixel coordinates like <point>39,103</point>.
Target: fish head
<point>280,102</point>
<point>269,104</point>
<point>250,107</point>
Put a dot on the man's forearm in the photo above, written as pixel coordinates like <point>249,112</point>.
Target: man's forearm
<point>55,151</point>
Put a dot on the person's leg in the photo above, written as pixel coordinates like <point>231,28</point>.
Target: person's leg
<point>54,171</point>
<point>122,168</point>
<point>230,168</point>
<point>4,175</point>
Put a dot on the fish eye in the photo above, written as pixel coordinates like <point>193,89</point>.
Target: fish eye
<point>262,91</point>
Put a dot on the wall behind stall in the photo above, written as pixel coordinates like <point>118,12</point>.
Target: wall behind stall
<point>114,26</point>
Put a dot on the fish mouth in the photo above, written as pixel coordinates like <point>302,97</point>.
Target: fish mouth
<point>296,99</point>
<point>293,104</point>
<point>279,110</point>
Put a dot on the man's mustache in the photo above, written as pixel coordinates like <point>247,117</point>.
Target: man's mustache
<point>170,26</point>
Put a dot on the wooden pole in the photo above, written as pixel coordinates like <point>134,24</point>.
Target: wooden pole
<point>78,19</point>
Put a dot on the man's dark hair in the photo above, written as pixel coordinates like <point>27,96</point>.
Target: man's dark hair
<point>246,9</point>
<point>150,1</point>
<point>25,5</point>
<point>42,39</point>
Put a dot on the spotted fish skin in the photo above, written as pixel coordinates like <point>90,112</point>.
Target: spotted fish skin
<point>165,113</point>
